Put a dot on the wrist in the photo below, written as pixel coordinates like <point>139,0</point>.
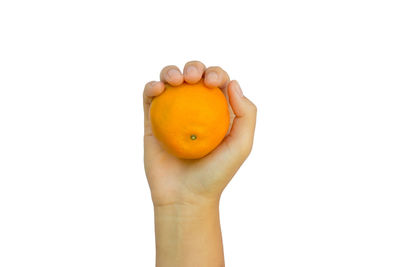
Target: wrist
<point>183,228</point>
<point>187,210</point>
<point>185,200</point>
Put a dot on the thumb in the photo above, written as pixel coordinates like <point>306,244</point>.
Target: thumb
<point>240,137</point>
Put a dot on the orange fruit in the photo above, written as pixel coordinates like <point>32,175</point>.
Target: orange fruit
<point>190,120</point>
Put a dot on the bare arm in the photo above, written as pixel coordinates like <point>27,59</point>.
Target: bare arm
<point>188,236</point>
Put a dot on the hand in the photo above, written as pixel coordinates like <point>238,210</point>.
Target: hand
<point>179,181</point>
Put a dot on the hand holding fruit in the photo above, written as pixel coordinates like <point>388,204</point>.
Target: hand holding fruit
<point>193,141</point>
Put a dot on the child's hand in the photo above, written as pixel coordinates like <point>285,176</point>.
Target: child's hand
<point>178,181</point>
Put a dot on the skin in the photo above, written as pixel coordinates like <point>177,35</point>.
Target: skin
<point>186,193</point>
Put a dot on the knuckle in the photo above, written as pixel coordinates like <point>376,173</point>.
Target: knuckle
<point>253,107</point>
<point>214,68</point>
<point>194,62</point>
<point>168,67</point>
<point>226,75</point>
<point>151,83</point>
<point>222,74</point>
<point>196,65</point>
<point>147,86</point>
<point>165,69</point>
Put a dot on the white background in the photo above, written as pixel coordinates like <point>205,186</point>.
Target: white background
<point>321,187</point>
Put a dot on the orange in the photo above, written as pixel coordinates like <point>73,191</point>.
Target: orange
<point>190,120</point>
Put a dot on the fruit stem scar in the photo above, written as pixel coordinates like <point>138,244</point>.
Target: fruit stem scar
<point>193,137</point>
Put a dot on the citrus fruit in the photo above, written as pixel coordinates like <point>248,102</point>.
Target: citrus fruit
<point>190,120</point>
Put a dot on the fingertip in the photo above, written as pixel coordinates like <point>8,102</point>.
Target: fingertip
<point>234,96</point>
<point>174,77</point>
<point>236,87</point>
<point>154,88</point>
<point>211,79</point>
<point>216,77</point>
<point>158,88</point>
<point>193,71</point>
<point>241,105</point>
<point>171,75</point>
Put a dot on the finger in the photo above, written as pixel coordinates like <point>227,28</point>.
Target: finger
<point>172,75</point>
<point>193,71</point>
<point>151,90</point>
<point>240,137</point>
<point>216,77</point>
<point>222,82</point>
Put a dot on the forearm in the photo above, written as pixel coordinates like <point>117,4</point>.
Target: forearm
<point>188,235</point>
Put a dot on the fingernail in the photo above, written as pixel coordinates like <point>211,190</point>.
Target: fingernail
<point>191,70</point>
<point>212,76</point>
<point>172,72</point>
<point>238,89</point>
